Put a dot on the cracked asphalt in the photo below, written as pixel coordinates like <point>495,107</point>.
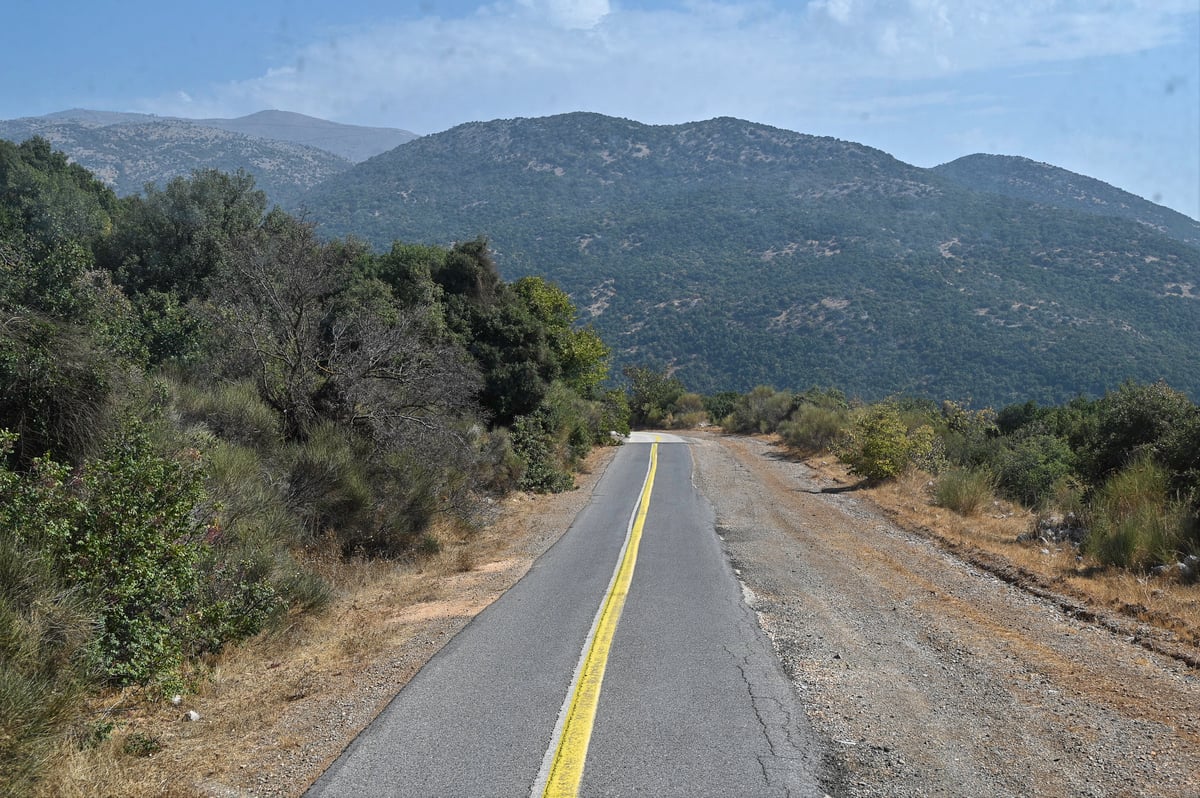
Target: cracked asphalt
<point>694,701</point>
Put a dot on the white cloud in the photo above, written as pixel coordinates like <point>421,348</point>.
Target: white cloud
<point>543,56</point>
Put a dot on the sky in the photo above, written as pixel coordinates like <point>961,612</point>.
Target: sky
<point>1106,88</point>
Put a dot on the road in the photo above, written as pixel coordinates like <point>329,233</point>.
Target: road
<point>693,700</point>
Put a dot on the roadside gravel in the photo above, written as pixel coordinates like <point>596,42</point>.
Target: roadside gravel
<point>929,676</point>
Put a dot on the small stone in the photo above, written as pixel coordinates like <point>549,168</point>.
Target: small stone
<point>177,699</point>
<point>191,715</point>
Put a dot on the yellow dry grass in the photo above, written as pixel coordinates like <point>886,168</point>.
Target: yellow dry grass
<point>990,540</point>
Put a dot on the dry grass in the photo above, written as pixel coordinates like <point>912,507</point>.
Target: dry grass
<point>989,539</point>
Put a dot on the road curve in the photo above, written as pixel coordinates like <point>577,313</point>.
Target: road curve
<point>693,701</point>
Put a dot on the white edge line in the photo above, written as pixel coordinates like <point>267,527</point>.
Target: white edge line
<point>539,786</point>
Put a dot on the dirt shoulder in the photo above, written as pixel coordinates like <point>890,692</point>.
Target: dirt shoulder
<point>933,676</point>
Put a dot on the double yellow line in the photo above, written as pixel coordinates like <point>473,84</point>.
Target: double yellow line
<point>562,774</point>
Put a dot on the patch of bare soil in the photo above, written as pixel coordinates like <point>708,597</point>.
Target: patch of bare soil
<point>932,675</point>
<point>275,712</point>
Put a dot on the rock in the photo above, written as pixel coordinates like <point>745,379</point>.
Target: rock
<point>191,715</point>
<point>177,699</point>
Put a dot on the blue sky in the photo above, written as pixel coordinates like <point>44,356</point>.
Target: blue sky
<point>1107,88</point>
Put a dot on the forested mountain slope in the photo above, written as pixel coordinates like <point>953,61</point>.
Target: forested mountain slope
<point>738,254</point>
<point>1045,184</point>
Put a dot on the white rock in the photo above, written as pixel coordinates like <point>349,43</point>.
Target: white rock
<point>192,715</point>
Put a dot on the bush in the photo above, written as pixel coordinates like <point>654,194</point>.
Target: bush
<point>1029,468</point>
<point>45,634</point>
<point>879,445</point>
<point>813,428</point>
<point>760,411</point>
<point>965,491</point>
<point>688,412</point>
<point>1133,522</point>
<point>233,411</point>
<point>122,528</point>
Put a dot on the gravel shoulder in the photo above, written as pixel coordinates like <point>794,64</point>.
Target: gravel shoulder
<point>929,676</point>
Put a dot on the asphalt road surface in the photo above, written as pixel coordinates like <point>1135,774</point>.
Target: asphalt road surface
<point>692,702</point>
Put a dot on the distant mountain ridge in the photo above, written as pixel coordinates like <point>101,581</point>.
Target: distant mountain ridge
<point>285,152</point>
<point>353,142</point>
<point>736,253</point>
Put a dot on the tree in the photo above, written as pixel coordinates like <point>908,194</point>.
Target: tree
<point>652,394</point>
<point>174,239</point>
<point>582,356</point>
<point>325,345</point>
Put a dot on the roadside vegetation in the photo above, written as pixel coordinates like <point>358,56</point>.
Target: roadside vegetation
<point>201,400</point>
<point>1117,477</point>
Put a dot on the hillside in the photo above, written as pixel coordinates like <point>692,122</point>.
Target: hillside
<point>132,153</point>
<point>738,254</point>
<point>1044,184</point>
<point>352,142</point>
<point>286,152</point>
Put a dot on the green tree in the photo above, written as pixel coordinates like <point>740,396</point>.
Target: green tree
<point>652,394</point>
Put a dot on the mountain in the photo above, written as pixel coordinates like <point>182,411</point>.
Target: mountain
<point>131,154</point>
<point>285,152</point>
<point>737,253</point>
<point>1049,185</point>
<point>352,142</point>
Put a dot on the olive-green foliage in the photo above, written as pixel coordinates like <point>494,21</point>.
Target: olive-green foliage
<point>614,416</point>
<point>44,196</point>
<point>1135,419</point>
<point>1029,467</point>
<point>1135,523</point>
<point>760,410</point>
<point>46,630</point>
<point>174,239</point>
<point>965,491</point>
<point>58,386</point>
<point>582,357</point>
<point>499,468</point>
<point>652,394</point>
<point>719,405</point>
<point>121,528</point>
<point>969,437</point>
<point>232,410</point>
<point>688,412</point>
<point>879,445</point>
<point>813,428</point>
<point>554,438</point>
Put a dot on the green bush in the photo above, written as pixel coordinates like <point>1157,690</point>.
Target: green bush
<point>122,528</point>
<point>964,490</point>
<point>813,428</point>
<point>1030,467</point>
<point>880,446</point>
<point>760,411</point>
<point>533,439</point>
<point>233,411</point>
<point>1134,523</point>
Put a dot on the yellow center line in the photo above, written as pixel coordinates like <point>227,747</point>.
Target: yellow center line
<point>563,774</point>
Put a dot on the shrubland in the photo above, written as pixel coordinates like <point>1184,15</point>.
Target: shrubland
<point>198,395</point>
<point>1118,475</point>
